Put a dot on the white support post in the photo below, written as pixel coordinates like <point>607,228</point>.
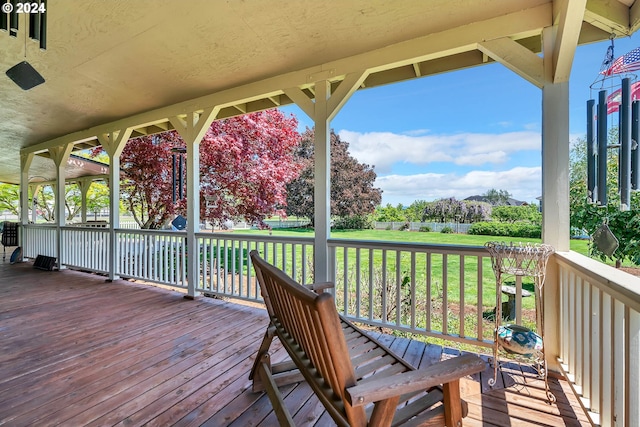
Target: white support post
<point>34,205</point>
<point>322,183</point>
<point>322,111</point>
<point>555,165</point>
<point>25,164</point>
<point>192,129</point>
<point>555,152</point>
<point>60,155</point>
<point>113,143</point>
<point>555,189</point>
<point>84,185</point>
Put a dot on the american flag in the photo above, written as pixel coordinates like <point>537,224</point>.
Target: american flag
<point>625,64</point>
<point>615,99</point>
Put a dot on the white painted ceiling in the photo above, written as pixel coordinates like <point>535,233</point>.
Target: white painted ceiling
<point>110,59</point>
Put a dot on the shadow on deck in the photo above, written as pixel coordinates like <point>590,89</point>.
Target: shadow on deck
<point>76,350</point>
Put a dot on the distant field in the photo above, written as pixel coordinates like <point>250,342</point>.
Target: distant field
<point>580,246</point>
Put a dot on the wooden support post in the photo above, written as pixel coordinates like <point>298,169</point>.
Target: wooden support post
<point>84,185</point>
<point>192,128</point>
<point>113,143</point>
<point>555,190</point>
<point>60,155</point>
<point>25,164</point>
<point>322,111</point>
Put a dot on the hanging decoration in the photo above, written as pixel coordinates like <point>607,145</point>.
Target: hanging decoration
<point>618,93</point>
<point>23,74</point>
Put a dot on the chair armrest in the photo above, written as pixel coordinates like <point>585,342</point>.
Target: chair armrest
<point>407,382</point>
<point>319,287</point>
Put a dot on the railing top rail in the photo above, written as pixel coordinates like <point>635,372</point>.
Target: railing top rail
<point>408,246</point>
<point>151,232</point>
<point>256,238</point>
<point>38,225</point>
<point>83,228</point>
<point>619,284</point>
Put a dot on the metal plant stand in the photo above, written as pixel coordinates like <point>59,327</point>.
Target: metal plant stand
<point>520,260</point>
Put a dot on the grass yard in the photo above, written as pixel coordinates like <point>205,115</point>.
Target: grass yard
<point>437,296</point>
<point>580,246</point>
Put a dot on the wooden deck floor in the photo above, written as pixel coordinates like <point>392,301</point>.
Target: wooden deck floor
<point>78,351</point>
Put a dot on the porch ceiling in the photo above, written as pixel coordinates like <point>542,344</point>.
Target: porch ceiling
<point>108,61</point>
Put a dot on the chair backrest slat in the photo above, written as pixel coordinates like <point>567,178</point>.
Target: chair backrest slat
<point>310,321</point>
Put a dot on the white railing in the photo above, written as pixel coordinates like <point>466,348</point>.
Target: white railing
<point>39,240</point>
<point>129,224</point>
<point>225,268</point>
<point>600,338</point>
<point>434,290</point>
<point>153,256</point>
<point>85,248</point>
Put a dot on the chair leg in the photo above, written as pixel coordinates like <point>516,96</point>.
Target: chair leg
<point>264,348</point>
<point>452,404</point>
<point>264,372</point>
<point>383,411</point>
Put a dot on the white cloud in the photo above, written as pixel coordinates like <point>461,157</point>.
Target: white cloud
<point>384,149</point>
<point>524,183</point>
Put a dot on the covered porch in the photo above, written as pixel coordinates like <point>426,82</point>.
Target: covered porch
<point>592,317</point>
<point>79,351</point>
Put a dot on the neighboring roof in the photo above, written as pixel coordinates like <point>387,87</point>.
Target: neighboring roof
<point>109,61</point>
<point>77,167</point>
<point>510,201</point>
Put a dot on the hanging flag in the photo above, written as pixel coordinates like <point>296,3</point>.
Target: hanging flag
<point>615,99</point>
<point>625,64</point>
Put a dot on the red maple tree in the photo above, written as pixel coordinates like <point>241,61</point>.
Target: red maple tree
<point>245,165</point>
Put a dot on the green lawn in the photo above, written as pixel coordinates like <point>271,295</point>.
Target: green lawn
<point>580,246</point>
<point>437,295</point>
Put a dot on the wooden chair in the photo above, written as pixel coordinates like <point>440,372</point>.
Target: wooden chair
<point>359,381</point>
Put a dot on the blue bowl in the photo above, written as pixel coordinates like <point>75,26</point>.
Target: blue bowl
<point>517,339</point>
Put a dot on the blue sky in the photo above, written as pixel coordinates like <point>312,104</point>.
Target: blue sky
<point>461,133</point>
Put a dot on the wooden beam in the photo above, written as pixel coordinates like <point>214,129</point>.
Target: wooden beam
<point>609,16</point>
<point>416,69</point>
<point>61,154</point>
<point>301,100</point>
<point>275,99</point>
<point>634,17</point>
<point>347,87</point>
<point>114,142</point>
<point>516,58</point>
<point>241,107</point>
<point>568,16</point>
<point>436,45</point>
<point>195,125</point>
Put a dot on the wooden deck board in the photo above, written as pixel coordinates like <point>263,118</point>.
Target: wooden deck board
<point>76,350</point>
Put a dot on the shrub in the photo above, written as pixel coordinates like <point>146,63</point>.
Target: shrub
<point>447,230</point>
<point>527,213</point>
<point>356,222</point>
<point>404,226</point>
<point>424,229</point>
<point>506,229</point>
